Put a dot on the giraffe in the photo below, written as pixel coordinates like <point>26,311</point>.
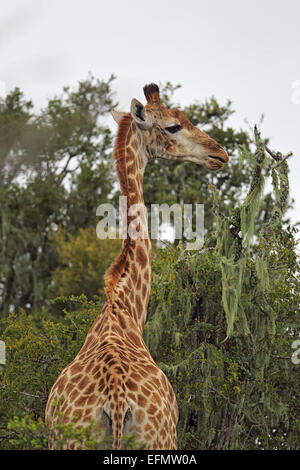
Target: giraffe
<point>113,380</point>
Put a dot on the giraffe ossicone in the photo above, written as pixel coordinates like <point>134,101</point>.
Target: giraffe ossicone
<point>113,381</point>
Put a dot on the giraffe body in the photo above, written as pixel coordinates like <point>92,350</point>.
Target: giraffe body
<point>117,383</point>
<point>113,380</point>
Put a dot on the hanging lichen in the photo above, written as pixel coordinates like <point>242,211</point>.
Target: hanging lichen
<point>235,234</point>
<point>214,319</point>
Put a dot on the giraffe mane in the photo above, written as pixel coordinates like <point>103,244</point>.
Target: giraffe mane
<point>114,272</point>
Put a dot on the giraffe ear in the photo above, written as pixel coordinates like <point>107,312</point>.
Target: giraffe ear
<point>138,113</point>
<point>117,115</point>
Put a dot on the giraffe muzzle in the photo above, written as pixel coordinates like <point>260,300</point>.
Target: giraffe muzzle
<point>216,162</point>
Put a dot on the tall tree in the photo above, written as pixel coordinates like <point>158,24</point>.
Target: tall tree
<point>55,170</point>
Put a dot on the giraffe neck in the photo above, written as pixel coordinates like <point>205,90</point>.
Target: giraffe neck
<point>128,280</point>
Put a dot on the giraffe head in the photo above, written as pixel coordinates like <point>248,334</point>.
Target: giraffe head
<point>167,133</point>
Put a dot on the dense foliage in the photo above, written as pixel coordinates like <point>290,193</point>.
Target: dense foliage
<point>221,321</point>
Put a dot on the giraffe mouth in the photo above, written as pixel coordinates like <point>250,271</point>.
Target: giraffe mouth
<point>222,160</point>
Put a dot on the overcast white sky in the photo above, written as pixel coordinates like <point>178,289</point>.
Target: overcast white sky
<point>247,51</point>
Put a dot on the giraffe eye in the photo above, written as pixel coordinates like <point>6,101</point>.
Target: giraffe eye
<point>173,129</point>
